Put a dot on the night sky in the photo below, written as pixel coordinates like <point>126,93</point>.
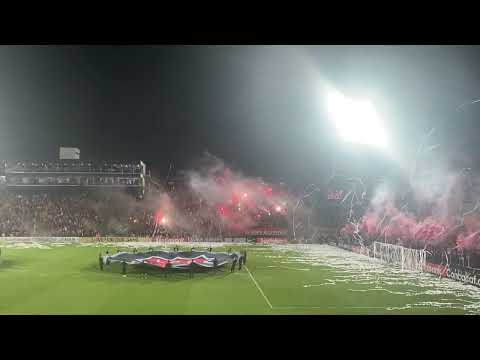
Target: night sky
<point>259,108</point>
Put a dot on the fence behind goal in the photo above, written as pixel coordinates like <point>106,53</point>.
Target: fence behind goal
<point>408,259</point>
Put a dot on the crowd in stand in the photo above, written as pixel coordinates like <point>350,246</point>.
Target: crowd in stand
<point>81,213</point>
<point>72,214</point>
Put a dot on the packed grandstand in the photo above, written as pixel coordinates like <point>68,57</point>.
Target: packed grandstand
<point>87,199</point>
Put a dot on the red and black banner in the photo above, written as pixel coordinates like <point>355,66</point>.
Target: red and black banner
<point>170,259</point>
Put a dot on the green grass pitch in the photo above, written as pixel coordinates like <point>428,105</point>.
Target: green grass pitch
<point>67,280</point>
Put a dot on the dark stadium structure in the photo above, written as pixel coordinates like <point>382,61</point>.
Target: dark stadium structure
<point>174,260</point>
<point>73,197</point>
<point>74,173</point>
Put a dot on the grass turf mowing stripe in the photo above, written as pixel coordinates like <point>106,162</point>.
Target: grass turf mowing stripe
<point>258,287</point>
<point>75,285</point>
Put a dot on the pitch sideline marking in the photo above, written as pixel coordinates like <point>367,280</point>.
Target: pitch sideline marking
<point>305,307</point>
<point>259,288</point>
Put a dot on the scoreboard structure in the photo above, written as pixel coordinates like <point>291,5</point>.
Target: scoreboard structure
<point>345,199</point>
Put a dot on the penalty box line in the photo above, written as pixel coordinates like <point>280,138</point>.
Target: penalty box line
<point>259,288</point>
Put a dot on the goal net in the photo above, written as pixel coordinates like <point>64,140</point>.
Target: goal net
<point>408,259</point>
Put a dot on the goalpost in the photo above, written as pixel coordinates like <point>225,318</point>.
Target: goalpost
<point>408,259</point>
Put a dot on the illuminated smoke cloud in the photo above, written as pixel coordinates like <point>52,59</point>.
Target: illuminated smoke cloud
<point>437,221</point>
<point>219,200</point>
<point>431,217</point>
<point>236,201</point>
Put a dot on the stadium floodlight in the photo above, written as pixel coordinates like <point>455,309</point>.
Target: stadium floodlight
<point>357,121</point>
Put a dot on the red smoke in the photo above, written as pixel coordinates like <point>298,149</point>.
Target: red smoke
<point>237,201</point>
<point>441,228</point>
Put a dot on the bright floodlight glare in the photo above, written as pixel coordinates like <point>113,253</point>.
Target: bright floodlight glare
<point>164,220</point>
<point>356,121</point>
